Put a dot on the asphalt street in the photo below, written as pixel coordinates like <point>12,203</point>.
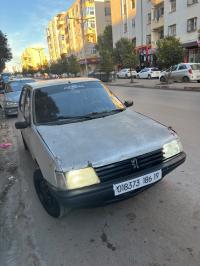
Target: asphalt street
<point>158,227</point>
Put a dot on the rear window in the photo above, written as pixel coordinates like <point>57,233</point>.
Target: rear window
<point>195,67</point>
<point>154,69</point>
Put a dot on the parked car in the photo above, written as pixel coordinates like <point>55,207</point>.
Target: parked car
<point>103,76</point>
<point>4,79</point>
<point>149,73</point>
<point>90,148</point>
<point>126,73</point>
<point>10,99</point>
<point>185,72</point>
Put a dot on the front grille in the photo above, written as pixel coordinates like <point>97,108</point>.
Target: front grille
<point>125,168</point>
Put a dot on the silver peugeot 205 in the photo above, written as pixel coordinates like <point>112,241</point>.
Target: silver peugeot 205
<point>89,147</point>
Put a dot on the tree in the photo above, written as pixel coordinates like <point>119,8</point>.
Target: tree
<point>5,51</point>
<point>169,52</point>
<point>74,66</point>
<point>105,49</point>
<point>125,55</point>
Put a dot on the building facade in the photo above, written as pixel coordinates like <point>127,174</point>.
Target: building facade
<point>146,21</point>
<point>76,31</point>
<point>33,58</point>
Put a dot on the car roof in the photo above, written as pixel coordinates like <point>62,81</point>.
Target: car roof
<point>54,82</point>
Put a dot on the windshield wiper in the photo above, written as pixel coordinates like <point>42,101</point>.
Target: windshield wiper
<point>61,118</point>
<point>105,113</point>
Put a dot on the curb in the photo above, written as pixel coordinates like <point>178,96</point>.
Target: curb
<point>158,87</point>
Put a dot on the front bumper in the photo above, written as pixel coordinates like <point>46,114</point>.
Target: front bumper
<point>103,193</point>
<point>11,111</point>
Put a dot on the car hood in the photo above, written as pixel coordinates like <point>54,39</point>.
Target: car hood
<point>104,140</point>
<point>13,96</point>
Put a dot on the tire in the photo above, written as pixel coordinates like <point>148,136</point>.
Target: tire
<point>198,81</point>
<point>149,76</point>
<point>47,199</point>
<point>126,76</point>
<point>186,79</point>
<point>162,79</point>
<point>138,77</point>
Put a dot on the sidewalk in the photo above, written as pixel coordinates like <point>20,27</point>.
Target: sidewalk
<point>155,84</point>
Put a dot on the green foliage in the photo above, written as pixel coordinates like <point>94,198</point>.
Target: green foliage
<point>169,52</point>
<point>59,67</point>
<point>105,49</point>
<point>74,66</point>
<point>125,54</point>
<point>5,51</point>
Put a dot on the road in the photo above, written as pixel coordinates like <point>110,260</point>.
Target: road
<point>158,227</point>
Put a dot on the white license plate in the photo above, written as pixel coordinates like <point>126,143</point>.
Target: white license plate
<point>137,183</point>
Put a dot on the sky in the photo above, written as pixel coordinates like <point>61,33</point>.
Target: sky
<point>24,22</point>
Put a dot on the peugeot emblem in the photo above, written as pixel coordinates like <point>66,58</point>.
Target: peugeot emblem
<point>134,163</point>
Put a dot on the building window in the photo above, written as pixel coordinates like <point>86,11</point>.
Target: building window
<point>93,50</point>
<point>133,23</point>
<point>173,5</point>
<point>148,39</point>
<point>158,12</point>
<point>132,4</point>
<point>125,8</point>
<point>125,27</point>
<point>192,24</point>
<point>149,18</point>
<point>191,2</point>
<point>172,30</point>
<point>107,11</point>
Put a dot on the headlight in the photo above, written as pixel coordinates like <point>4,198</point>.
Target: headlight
<point>77,179</point>
<point>172,148</point>
<point>11,104</point>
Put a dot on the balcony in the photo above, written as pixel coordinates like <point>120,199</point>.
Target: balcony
<point>157,2</point>
<point>157,22</point>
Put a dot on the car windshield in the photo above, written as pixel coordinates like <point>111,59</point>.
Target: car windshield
<point>195,66</point>
<point>18,85</point>
<point>74,101</point>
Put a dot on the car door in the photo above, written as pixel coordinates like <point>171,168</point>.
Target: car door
<point>25,111</point>
<point>142,73</point>
<point>181,72</point>
<point>172,73</point>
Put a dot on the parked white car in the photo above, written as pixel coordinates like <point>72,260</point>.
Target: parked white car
<point>149,73</point>
<point>126,73</point>
<point>185,72</point>
<point>90,149</point>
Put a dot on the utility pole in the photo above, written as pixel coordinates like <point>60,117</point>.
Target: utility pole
<point>83,36</point>
<point>82,22</point>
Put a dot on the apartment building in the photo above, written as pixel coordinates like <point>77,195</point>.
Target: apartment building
<point>56,37</point>
<point>76,31</point>
<point>146,21</point>
<point>33,58</point>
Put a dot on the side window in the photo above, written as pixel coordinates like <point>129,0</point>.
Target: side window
<point>174,68</point>
<point>27,106</point>
<point>182,67</point>
<point>21,101</point>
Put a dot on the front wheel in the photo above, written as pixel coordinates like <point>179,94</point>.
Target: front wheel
<point>198,81</point>
<point>162,79</point>
<point>49,202</point>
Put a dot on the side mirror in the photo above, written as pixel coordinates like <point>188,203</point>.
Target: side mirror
<point>128,103</point>
<point>21,125</point>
